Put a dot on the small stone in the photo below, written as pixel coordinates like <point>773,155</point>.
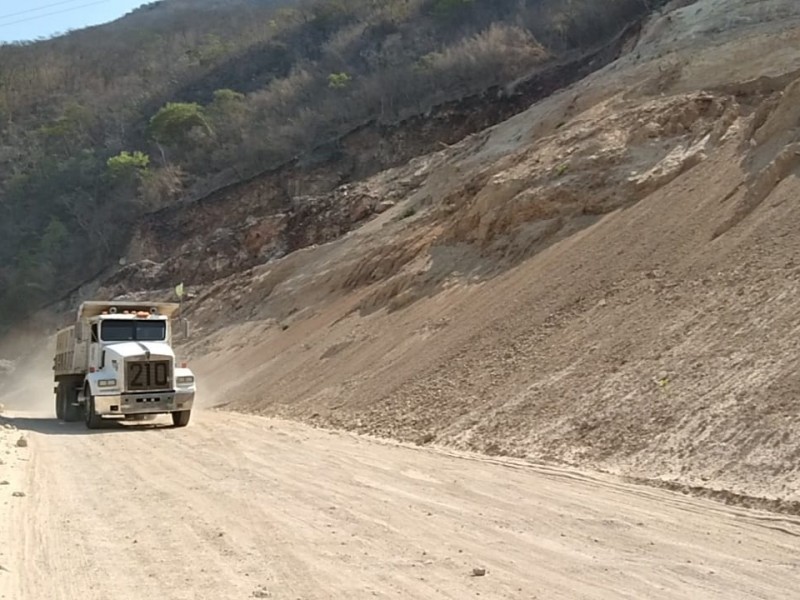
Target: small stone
<point>478,572</point>
<point>4,482</point>
<point>384,206</point>
<point>22,443</point>
<point>18,494</point>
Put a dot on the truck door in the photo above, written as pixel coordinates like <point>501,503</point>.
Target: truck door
<point>95,353</point>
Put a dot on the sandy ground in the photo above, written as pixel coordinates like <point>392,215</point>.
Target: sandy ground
<point>238,507</point>
<point>14,464</point>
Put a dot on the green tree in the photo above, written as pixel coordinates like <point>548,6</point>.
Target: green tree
<point>125,166</point>
<point>173,122</point>
<point>339,80</point>
<point>210,50</point>
<point>68,132</point>
<point>226,102</point>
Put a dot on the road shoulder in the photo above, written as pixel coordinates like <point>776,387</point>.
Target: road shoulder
<point>15,465</point>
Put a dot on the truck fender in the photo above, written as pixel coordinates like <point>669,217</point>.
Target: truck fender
<point>92,380</point>
<point>184,372</point>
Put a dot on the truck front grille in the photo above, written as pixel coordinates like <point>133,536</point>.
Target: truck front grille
<point>148,375</point>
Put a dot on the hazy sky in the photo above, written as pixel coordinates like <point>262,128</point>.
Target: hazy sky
<point>30,19</point>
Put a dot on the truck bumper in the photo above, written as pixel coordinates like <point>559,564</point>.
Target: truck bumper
<point>144,404</point>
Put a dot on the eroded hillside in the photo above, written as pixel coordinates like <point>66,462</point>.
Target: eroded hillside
<point>183,104</point>
<point>605,279</point>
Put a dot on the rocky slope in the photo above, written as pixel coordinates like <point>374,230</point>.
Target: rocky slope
<point>319,197</point>
<point>604,279</point>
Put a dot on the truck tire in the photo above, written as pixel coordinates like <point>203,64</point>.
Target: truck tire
<point>181,418</point>
<point>92,420</point>
<point>60,402</point>
<point>71,411</point>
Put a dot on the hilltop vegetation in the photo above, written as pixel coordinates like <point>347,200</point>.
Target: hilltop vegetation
<point>102,126</point>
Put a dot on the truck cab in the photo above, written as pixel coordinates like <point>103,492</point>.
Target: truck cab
<point>117,361</point>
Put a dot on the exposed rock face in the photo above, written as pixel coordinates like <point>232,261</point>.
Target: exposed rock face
<point>322,197</point>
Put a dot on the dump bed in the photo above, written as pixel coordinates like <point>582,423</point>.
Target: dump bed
<point>71,358</point>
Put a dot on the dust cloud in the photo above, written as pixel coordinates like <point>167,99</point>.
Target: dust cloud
<point>26,382</point>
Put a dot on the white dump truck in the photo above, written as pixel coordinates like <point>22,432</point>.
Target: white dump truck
<point>117,361</point>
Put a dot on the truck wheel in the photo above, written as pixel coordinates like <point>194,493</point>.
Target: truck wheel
<point>181,418</point>
<point>60,402</point>
<point>71,412</point>
<point>93,421</point>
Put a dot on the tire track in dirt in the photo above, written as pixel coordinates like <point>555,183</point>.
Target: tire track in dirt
<point>240,507</point>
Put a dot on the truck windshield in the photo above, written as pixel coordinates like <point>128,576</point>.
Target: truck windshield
<point>130,331</point>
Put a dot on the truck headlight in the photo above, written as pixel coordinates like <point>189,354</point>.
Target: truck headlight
<point>186,380</point>
<point>107,383</point>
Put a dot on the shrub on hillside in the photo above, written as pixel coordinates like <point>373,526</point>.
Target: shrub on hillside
<point>215,95</point>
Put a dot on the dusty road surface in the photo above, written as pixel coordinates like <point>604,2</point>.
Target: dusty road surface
<point>238,507</point>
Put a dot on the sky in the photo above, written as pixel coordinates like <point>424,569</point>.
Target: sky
<point>31,19</point>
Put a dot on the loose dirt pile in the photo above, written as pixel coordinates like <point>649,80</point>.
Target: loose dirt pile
<point>606,279</point>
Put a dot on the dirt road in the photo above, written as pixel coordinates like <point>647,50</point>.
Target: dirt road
<point>237,507</point>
